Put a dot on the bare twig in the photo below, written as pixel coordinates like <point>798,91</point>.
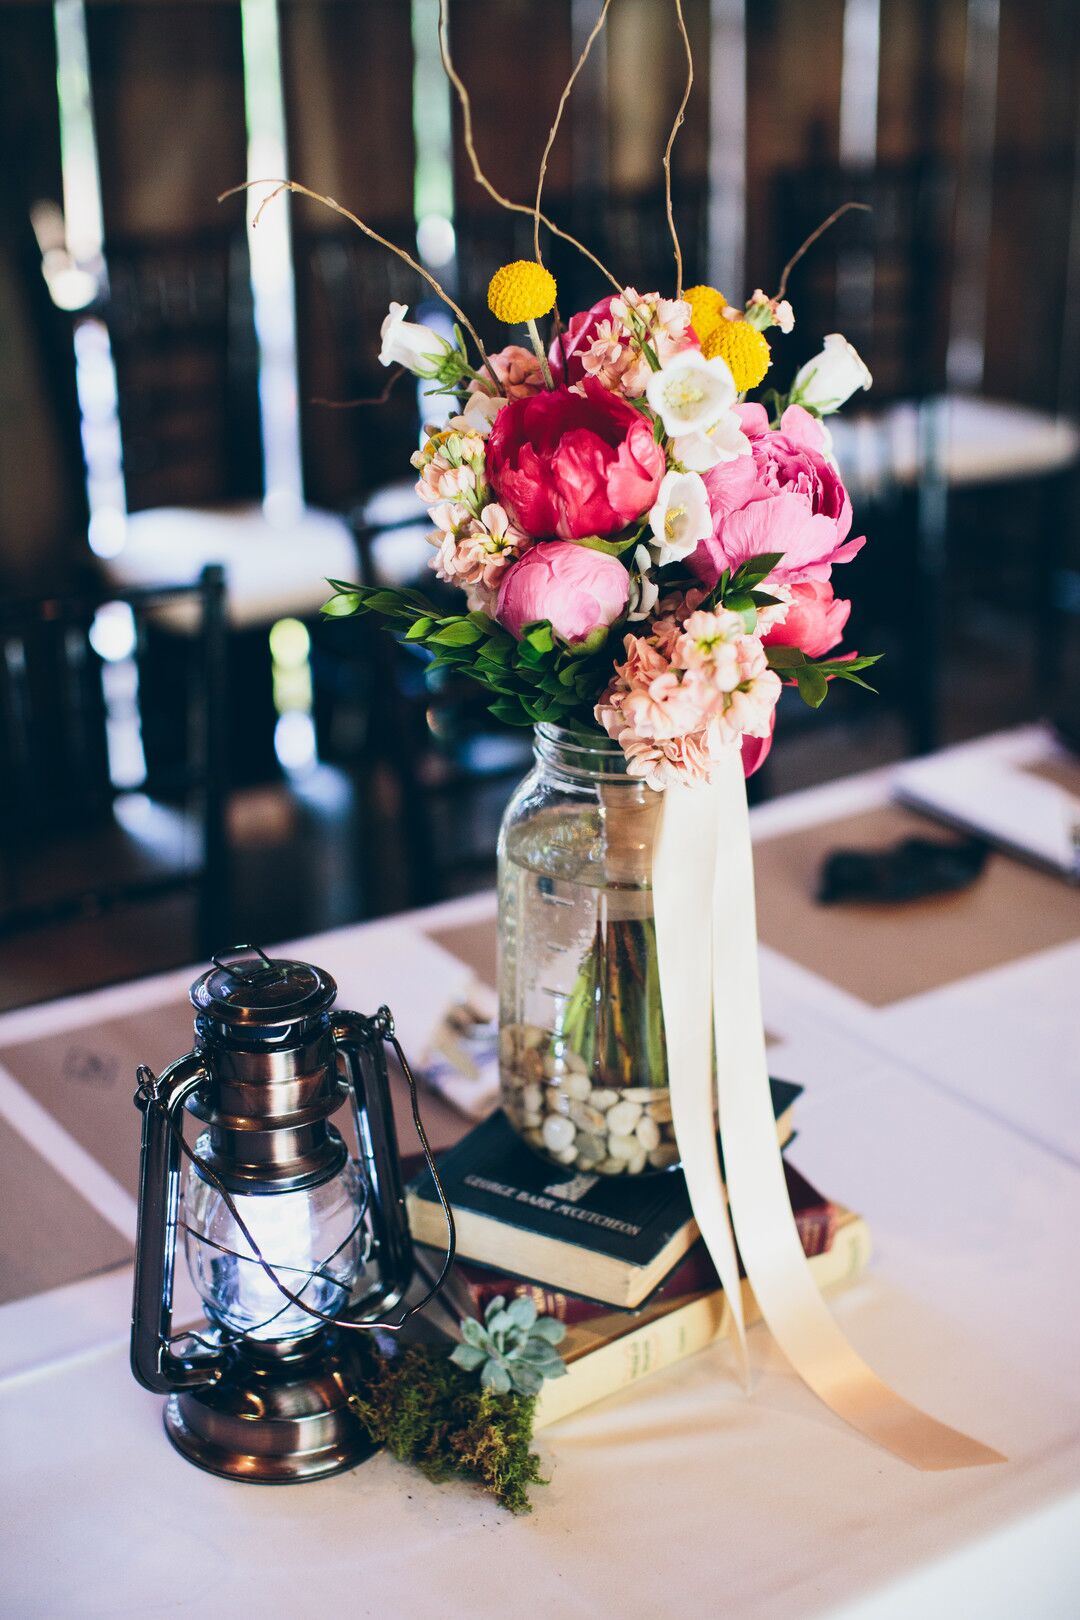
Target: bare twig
<point>465,102</point>
<point>836,214</point>
<point>354,219</point>
<point>554,130</point>
<point>675,128</point>
<point>396,374</point>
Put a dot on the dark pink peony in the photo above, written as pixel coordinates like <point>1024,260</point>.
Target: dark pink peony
<point>814,621</point>
<point>572,464</point>
<point>755,750</point>
<point>785,496</point>
<point>575,588</point>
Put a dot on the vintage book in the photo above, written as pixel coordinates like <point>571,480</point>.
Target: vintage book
<point>611,1238</point>
<point>599,1369</point>
<point>470,1287</point>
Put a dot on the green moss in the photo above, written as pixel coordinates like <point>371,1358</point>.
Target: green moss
<point>428,1412</point>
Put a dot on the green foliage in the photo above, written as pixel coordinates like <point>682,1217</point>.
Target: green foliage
<point>513,1348</point>
<point>812,676</point>
<point>537,678</point>
<point>428,1412</point>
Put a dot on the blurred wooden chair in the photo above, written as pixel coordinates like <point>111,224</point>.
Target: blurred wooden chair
<point>90,821</point>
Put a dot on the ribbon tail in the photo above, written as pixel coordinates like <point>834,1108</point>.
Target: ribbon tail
<point>684,859</point>
<point>768,1239</point>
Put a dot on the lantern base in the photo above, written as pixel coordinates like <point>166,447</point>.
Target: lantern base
<point>272,1424</point>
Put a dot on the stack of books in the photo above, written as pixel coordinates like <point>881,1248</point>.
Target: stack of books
<point>620,1261</point>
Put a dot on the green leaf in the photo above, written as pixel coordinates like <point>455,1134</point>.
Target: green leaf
<point>455,633</point>
<point>496,1378</point>
<point>813,687</point>
<point>527,1380</point>
<point>468,1357</point>
<point>539,637</point>
<point>856,680</point>
<point>549,1328</point>
<point>522,1311</point>
<point>612,547</point>
<point>785,657</point>
<point>473,1333</point>
<point>419,628</point>
<point>341,606</point>
<point>752,572</point>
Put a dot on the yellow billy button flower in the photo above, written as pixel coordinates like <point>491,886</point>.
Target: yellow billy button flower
<point>521,291</point>
<point>745,349</point>
<point>706,309</point>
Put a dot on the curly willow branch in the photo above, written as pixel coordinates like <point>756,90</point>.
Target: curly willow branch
<point>836,214</point>
<point>554,130</point>
<point>675,128</point>
<point>354,219</point>
<point>465,102</point>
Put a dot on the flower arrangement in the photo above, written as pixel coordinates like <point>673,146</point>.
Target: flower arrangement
<point>642,547</point>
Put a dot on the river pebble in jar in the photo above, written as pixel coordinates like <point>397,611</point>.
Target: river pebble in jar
<point>550,1096</point>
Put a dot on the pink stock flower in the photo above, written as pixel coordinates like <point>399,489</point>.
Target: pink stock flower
<point>604,341</point>
<point>475,552</point>
<point>517,369</point>
<point>814,620</point>
<point>685,694</point>
<point>785,496</point>
<point>577,589</point>
<point>573,464</point>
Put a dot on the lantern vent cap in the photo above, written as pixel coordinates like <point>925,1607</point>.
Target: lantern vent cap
<point>246,989</point>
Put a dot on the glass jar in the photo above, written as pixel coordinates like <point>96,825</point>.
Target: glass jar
<point>582,1057</point>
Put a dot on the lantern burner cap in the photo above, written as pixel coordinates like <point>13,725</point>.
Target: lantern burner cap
<point>257,992</point>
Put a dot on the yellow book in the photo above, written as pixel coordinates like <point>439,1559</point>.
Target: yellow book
<point>594,1372</point>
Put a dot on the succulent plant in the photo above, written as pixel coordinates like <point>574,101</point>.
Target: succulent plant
<point>513,1347</point>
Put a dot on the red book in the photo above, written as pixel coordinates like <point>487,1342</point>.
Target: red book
<point>470,1287</point>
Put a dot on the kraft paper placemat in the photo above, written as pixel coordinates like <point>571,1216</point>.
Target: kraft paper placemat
<point>473,943</point>
<point>885,953</point>
<point>85,1077</point>
<point>49,1234</point>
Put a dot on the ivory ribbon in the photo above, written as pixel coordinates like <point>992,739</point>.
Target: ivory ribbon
<point>706,936</point>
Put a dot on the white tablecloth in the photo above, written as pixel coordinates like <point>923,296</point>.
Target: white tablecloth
<point>681,1496</point>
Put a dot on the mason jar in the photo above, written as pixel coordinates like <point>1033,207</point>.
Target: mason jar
<point>582,1056</point>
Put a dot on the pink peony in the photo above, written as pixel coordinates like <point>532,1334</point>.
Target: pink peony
<point>785,496</point>
<point>517,369</point>
<point>573,464</point>
<point>573,587</point>
<point>814,620</point>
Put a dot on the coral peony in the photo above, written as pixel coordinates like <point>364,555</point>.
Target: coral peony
<point>785,496</point>
<point>517,369</point>
<point>573,464</point>
<point>576,589</point>
<point>814,619</point>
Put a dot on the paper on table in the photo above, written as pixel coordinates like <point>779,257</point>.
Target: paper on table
<point>1033,815</point>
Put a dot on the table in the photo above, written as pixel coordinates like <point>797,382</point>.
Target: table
<point>946,1114</point>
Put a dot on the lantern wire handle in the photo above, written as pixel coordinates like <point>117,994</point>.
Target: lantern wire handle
<point>383,1025</point>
